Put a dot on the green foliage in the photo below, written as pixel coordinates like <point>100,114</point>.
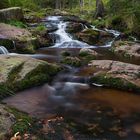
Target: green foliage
<point>23,121</point>
<point>73,61</point>
<point>4,4</point>
<point>16,23</point>
<point>40,27</point>
<point>124,15</point>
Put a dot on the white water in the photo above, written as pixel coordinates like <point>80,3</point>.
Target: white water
<point>3,50</point>
<point>65,40</point>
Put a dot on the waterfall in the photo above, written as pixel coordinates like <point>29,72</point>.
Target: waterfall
<point>3,50</point>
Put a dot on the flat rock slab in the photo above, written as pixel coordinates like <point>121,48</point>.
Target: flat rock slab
<point>117,74</point>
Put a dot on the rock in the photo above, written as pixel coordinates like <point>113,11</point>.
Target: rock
<point>58,12</point>
<point>19,72</point>
<point>88,54</point>
<point>127,49</point>
<point>116,74</point>
<point>24,41</point>
<point>75,19</point>
<point>65,53</point>
<point>136,128</point>
<point>86,51</point>
<point>6,121</point>
<point>73,61</point>
<point>13,13</point>
<point>73,27</point>
<point>32,17</point>
<point>42,35</point>
<point>94,37</point>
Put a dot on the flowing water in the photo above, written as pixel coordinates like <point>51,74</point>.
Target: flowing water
<point>93,112</point>
<point>3,50</point>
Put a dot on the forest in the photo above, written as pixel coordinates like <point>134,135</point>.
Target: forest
<point>69,69</point>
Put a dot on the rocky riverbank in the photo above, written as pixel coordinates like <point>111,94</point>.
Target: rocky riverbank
<point>19,72</point>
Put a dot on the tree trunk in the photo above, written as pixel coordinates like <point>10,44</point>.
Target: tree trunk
<point>100,11</point>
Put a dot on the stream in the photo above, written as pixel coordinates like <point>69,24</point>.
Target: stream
<point>92,111</point>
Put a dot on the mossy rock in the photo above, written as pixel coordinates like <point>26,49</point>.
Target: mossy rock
<point>116,74</point>
<point>25,42</point>
<point>113,82</point>
<point>73,61</point>
<point>65,53</point>
<point>12,13</point>
<point>94,37</point>
<point>74,27</point>
<point>18,73</point>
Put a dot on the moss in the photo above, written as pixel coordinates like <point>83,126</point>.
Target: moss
<point>40,28</point>
<point>73,61</point>
<point>7,43</point>
<point>43,73</point>
<point>23,121</point>
<point>83,54</point>
<point>16,23</point>
<point>91,32</point>
<point>113,82</point>
<point>29,45</point>
<point>88,58</point>
<point>99,23</point>
<point>65,53</point>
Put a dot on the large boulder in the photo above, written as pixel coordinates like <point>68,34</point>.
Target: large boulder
<point>6,121</point>
<point>43,36</point>
<point>127,49</point>
<point>13,13</point>
<point>116,74</point>
<point>73,27</point>
<point>24,41</point>
<point>19,72</point>
<point>95,37</point>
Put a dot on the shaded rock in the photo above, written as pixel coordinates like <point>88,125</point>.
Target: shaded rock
<point>65,53</point>
<point>13,13</point>
<point>8,43</point>
<point>33,17</point>
<point>127,49</point>
<point>73,61</point>
<point>73,27</point>
<point>75,19</point>
<point>94,37</point>
<point>24,41</point>
<point>136,128</point>
<point>6,121</point>
<point>18,72</point>
<point>116,74</point>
